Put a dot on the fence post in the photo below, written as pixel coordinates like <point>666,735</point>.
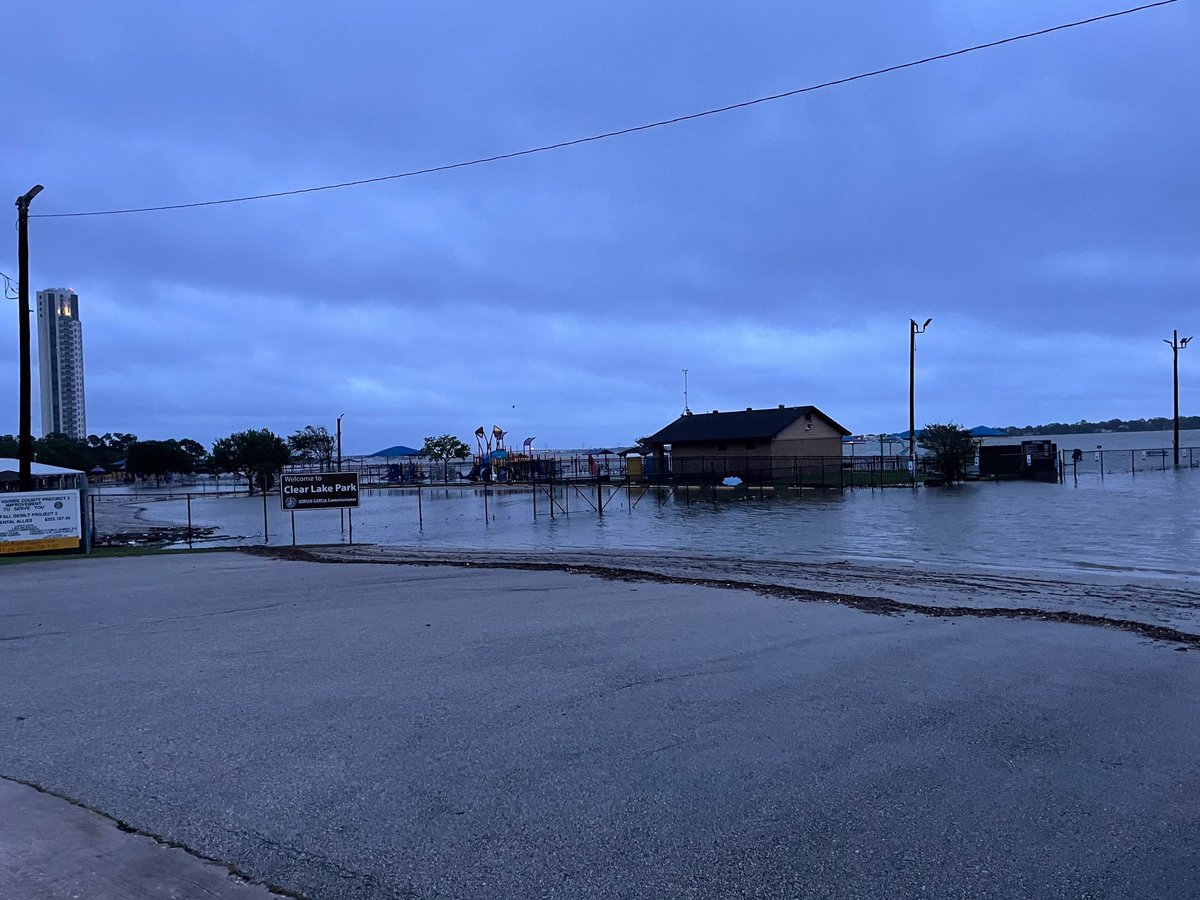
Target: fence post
<point>189,506</point>
<point>420,510</point>
<point>266,535</point>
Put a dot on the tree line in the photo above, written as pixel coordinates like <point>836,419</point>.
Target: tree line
<point>256,454</point>
<point>1157,423</point>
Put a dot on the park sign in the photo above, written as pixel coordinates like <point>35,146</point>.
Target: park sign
<point>39,520</point>
<point>319,490</point>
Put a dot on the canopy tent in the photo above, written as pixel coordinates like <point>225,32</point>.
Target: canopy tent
<point>10,466</point>
<point>398,450</point>
<point>45,477</point>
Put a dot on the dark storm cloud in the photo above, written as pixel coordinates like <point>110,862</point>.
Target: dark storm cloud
<point>1034,199</point>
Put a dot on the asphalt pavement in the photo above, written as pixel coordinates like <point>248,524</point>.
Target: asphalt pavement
<point>382,731</point>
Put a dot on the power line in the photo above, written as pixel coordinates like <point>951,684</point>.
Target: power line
<point>10,292</point>
<point>619,132</point>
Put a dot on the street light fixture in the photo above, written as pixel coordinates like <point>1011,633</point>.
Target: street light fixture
<point>25,447</point>
<point>1176,344</point>
<point>913,330</point>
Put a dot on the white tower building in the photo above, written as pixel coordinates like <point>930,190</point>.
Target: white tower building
<point>60,362</point>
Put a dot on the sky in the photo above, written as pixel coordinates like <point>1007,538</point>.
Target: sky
<point>1038,200</point>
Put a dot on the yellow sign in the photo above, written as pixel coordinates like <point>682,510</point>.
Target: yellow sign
<point>33,546</point>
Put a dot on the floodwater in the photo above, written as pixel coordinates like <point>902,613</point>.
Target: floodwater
<point>1145,522</point>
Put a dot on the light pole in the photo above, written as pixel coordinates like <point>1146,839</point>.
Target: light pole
<point>1176,344</point>
<point>913,330</point>
<point>341,512</point>
<point>25,446</point>
<point>339,441</point>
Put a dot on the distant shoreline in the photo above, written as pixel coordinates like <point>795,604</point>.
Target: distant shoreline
<point>1113,426</point>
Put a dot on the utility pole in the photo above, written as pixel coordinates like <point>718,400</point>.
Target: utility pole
<point>913,330</point>
<point>25,446</point>
<point>1176,344</point>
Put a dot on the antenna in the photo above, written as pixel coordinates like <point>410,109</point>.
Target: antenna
<point>686,411</point>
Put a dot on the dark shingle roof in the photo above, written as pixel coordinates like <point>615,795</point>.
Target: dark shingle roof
<point>744,425</point>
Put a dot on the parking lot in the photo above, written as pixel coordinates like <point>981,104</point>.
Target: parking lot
<point>378,731</point>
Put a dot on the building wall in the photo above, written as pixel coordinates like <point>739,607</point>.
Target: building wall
<point>808,437</point>
<point>60,363</point>
<point>729,448</point>
<point>804,437</point>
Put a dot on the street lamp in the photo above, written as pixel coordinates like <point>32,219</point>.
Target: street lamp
<point>913,330</point>
<point>1176,344</point>
<point>25,447</point>
<point>341,512</point>
<point>339,441</point>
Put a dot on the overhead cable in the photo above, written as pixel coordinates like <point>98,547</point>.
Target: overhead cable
<point>612,134</point>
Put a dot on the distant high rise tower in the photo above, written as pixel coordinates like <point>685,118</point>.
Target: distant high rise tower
<point>60,360</point>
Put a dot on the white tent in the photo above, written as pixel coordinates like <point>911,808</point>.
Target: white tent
<point>10,466</point>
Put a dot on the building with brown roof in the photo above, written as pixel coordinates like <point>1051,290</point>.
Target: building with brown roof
<point>752,443</point>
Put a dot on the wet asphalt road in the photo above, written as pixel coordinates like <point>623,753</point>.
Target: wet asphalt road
<point>363,731</point>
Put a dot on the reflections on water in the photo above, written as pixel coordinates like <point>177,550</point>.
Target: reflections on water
<point>1146,523</point>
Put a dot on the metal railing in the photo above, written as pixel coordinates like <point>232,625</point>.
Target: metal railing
<point>559,485</point>
<point>1076,461</point>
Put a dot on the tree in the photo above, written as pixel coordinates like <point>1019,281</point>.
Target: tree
<point>196,453</point>
<point>58,449</point>
<point>109,448</point>
<point>255,454</point>
<point>313,444</point>
<point>9,446</point>
<point>446,447</point>
<point>115,441</point>
<point>157,458</point>
<point>952,447</point>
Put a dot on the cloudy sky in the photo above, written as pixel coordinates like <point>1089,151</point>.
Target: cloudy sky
<point>1038,200</point>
